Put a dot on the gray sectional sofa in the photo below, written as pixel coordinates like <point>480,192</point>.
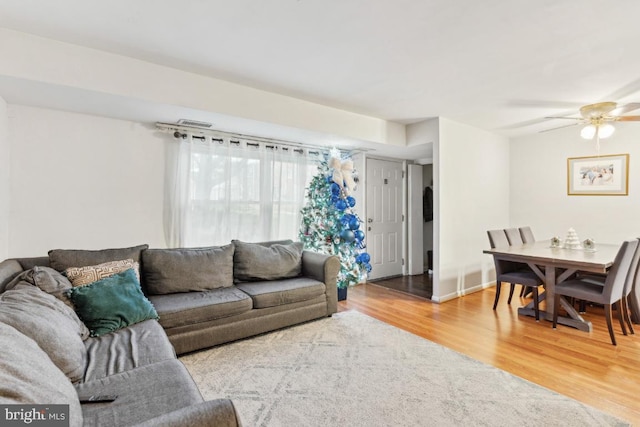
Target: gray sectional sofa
<point>140,308</point>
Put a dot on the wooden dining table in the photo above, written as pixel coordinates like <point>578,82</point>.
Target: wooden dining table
<point>555,265</point>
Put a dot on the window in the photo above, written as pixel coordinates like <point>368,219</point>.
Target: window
<point>222,190</point>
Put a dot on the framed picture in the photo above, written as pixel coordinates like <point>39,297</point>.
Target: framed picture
<point>598,176</point>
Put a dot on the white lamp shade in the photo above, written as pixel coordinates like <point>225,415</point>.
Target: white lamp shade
<point>588,132</point>
<point>606,130</point>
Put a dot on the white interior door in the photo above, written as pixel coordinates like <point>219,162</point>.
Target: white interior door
<point>384,217</point>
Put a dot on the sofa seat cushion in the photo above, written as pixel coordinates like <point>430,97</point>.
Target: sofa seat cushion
<point>143,393</point>
<point>28,376</point>
<point>138,345</point>
<point>278,292</point>
<point>188,308</point>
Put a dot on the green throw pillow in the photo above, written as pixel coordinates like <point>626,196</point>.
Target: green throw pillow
<point>112,303</point>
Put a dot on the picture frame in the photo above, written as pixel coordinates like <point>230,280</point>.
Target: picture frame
<point>598,175</point>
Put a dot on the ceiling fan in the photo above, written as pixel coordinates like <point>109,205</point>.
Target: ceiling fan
<point>598,117</point>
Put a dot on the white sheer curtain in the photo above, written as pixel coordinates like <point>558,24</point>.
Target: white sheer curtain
<point>224,189</point>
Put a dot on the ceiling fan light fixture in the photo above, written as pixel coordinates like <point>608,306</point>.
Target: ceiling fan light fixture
<point>588,132</point>
<point>606,130</point>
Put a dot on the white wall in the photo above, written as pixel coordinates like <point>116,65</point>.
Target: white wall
<point>80,181</point>
<point>4,182</point>
<point>539,186</point>
<point>50,63</point>
<point>471,178</point>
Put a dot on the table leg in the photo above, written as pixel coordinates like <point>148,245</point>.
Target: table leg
<point>573,319</point>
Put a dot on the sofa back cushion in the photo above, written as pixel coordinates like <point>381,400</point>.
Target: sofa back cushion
<point>50,323</point>
<point>169,271</point>
<point>9,269</point>
<point>28,376</point>
<point>61,259</point>
<point>257,261</point>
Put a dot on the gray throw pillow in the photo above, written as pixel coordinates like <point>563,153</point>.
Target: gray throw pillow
<point>47,321</point>
<point>255,261</point>
<point>27,376</point>
<point>168,271</point>
<point>61,259</point>
<point>47,279</point>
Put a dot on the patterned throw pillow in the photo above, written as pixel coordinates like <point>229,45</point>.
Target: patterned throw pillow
<point>81,276</point>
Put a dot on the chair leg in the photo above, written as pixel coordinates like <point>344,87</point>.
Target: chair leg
<point>620,316</point>
<point>536,308</point>
<point>513,286</point>
<point>607,315</point>
<point>522,291</point>
<point>627,315</point>
<point>495,301</point>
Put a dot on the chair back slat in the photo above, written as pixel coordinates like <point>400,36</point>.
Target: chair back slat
<point>527,235</point>
<point>617,276</point>
<point>513,236</point>
<point>497,239</point>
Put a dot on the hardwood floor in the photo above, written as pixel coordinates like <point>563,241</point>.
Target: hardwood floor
<point>584,366</point>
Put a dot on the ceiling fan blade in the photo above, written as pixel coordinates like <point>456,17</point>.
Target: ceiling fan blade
<point>567,118</point>
<point>560,127</point>
<point>626,90</point>
<point>532,103</point>
<point>628,119</point>
<point>522,124</point>
<point>625,109</point>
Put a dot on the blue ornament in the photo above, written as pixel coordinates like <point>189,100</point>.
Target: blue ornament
<point>359,235</point>
<point>354,223</point>
<point>351,201</point>
<point>341,205</point>
<point>367,266</point>
<point>347,235</point>
<point>330,179</point>
<point>365,257</point>
<point>335,189</point>
<point>344,220</point>
<point>334,199</point>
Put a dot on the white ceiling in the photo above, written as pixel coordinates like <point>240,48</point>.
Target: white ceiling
<point>497,65</point>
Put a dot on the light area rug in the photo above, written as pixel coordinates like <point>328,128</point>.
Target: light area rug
<point>353,370</point>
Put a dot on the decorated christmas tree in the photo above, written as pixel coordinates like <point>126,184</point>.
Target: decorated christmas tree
<point>329,223</point>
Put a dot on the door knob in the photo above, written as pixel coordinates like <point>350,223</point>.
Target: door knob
<point>369,220</point>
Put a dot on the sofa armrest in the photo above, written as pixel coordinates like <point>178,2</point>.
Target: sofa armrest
<point>324,268</point>
<point>218,412</point>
